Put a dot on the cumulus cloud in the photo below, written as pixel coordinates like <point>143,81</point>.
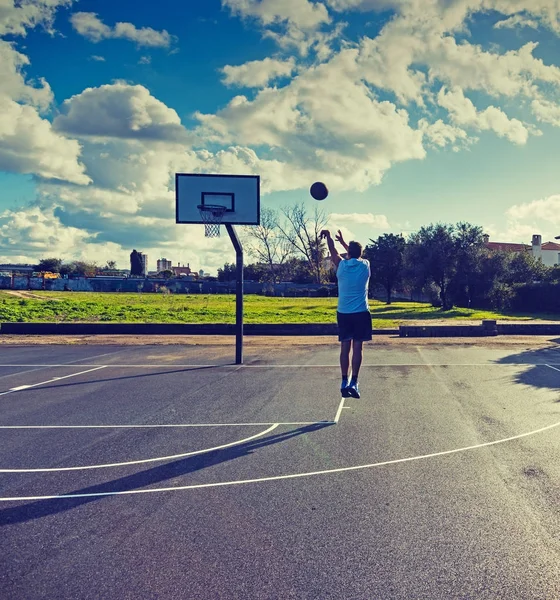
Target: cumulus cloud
<point>13,83</point>
<point>28,143</point>
<point>16,16</point>
<point>375,221</point>
<point>546,111</point>
<point>545,209</point>
<point>92,27</point>
<point>463,112</point>
<point>440,134</point>
<point>257,73</point>
<point>301,13</point>
<point>327,120</point>
<point>120,110</point>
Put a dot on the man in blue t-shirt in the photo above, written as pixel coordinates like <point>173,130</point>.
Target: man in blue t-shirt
<point>353,316</point>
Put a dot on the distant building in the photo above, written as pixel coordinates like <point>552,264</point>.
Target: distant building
<point>138,264</point>
<point>144,258</point>
<point>548,253</point>
<point>163,265</point>
<point>17,268</point>
<point>181,270</point>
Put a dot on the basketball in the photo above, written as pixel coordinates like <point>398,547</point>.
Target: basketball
<point>319,190</point>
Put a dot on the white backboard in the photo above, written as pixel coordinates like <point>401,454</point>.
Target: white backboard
<point>240,194</point>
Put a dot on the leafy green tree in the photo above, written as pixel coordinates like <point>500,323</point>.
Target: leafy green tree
<point>110,266</point>
<point>167,274</point>
<point>523,267</point>
<point>386,260</point>
<point>79,268</point>
<point>431,252</point>
<point>469,252</point>
<point>49,264</point>
<point>227,273</point>
<point>256,272</point>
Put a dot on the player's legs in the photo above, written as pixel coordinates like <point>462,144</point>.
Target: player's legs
<point>357,354</point>
<point>345,358</point>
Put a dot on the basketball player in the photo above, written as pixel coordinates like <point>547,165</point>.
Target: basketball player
<point>353,316</point>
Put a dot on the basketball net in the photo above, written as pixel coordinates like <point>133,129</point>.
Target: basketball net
<point>211,215</point>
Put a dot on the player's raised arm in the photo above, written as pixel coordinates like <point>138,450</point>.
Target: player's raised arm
<point>335,256</point>
<point>340,240</point>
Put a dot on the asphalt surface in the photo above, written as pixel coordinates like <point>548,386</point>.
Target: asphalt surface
<point>211,480</point>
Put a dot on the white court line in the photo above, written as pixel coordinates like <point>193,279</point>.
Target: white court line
<point>324,366</point>
<point>282,477</point>
<point>147,460</point>
<point>25,387</point>
<point>165,425</point>
<point>340,407</point>
<point>553,367</point>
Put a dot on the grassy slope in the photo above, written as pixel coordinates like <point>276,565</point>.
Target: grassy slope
<point>167,308</point>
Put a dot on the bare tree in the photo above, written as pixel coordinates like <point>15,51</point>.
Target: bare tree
<point>302,232</point>
<point>267,244</point>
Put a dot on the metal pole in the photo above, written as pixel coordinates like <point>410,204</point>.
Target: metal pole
<point>238,294</point>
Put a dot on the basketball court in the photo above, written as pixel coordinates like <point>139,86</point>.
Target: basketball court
<point>170,471</point>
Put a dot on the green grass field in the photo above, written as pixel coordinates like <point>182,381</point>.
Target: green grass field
<point>170,308</point>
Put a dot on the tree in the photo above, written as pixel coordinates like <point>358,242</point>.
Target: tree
<point>79,268</point>
<point>302,232</point>
<point>386,261</point>
<point>469,251</point>
<point>228,273</point>
<point>110,266</point>
<point>268,245</point>
<point>432,253</point>
<point>167,274</point>
<point>49,264</point>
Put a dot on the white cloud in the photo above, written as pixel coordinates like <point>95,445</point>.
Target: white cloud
<point>29,145</point>
<point>441,134</point>
<point>257,73</point>
<point>301,13</point>
<point>547,112</point>
<point>463,112</point>
<point>16,16</point>
<point>13,83</point>
<point>325,121</point>
<point>545,209</point>
<point>376,221</point>
<point>122,111</point>
<point>90,26</point>
<point>27,142</point>
<point>517,21</point>
<point>97,58</point>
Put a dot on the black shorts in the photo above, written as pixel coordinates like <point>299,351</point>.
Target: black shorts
<point>354,326</point>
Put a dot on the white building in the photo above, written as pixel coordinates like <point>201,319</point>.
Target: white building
<point>163,265</point>
<point>549,252</point>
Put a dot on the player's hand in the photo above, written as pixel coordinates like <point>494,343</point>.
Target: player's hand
<point>325,233</point>
<point>339,237</point>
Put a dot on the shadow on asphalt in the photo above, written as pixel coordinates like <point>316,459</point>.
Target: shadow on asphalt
<point>178,468</point>
<point>122,377</point>
<point>538,374</point>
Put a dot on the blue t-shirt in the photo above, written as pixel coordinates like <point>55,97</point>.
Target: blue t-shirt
<point>353,278</point>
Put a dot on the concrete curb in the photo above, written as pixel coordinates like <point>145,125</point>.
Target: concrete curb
<point>488,328</point>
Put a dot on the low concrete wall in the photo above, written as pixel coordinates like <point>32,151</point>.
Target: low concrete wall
<point>330,329</point>
<point>284,329</point>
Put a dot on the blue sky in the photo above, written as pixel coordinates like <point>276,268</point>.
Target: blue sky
<point>411,112</point>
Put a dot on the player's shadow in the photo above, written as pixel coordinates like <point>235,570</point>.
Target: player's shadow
<point>143,479</point>
<point>543,366</point>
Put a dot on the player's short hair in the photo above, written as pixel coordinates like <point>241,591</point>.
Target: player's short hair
<point>354,249</point>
